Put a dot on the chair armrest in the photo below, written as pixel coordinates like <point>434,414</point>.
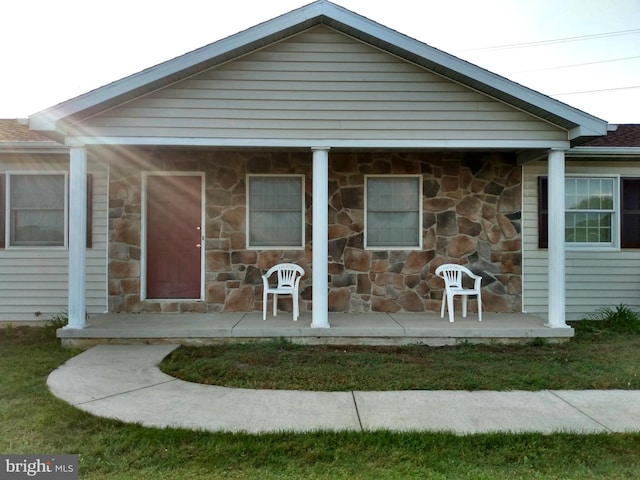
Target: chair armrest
<point>265,281</point>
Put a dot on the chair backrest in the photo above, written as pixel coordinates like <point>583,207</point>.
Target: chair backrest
<point>451,273</point>
<point>287,273</point>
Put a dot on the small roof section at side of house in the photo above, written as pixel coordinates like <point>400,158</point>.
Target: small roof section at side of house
<point>626,135</point>
<point>16,137</point>
<point>15,130</point>
<point>55,121</point>
<point>622,141</point>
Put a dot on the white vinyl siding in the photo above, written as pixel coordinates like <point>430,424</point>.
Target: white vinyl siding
<point>319,85</point>
<point>595,278</point>
<point>34,280</point>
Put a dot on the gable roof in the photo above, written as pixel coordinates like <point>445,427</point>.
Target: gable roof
<point>54,121</point>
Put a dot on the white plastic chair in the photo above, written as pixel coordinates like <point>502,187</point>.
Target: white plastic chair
<point>452,276</point>
<point>289,276</point>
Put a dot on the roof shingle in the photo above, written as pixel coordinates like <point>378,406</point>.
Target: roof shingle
<point>626,135</point>
<point>11,130</point>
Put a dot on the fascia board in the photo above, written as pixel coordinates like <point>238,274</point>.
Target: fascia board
<point>592,129</point>
<point>604,152</point>
<point>311,143</point>
<point>33,148</point>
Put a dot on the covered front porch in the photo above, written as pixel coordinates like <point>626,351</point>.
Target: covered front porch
<point>342,111</point>
<point>426,328</point>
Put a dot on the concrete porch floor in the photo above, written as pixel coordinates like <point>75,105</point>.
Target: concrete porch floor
<point>346,329</point>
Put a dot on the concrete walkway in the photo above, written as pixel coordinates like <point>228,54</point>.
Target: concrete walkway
<point>123,382</point>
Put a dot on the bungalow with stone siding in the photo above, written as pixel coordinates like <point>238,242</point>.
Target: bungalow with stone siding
<point>320,138</point>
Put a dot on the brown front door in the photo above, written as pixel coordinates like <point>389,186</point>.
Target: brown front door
<point>174,233</point>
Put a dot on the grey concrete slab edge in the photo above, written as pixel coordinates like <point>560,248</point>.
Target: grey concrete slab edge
<point>123,382</point>
<point>346,329</point>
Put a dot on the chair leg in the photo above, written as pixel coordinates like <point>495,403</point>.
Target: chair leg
<point>275,304</point>
<point>450,306</point>
<point>444,303</point>
<point>295,309</point>
<point>464,305</point>
<point>479,308</point>
<point>265,297</point>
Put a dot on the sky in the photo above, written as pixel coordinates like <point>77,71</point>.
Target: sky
<point>585,53</point>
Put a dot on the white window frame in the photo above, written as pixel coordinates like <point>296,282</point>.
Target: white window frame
<point>302,212</point>
<point>8,209</point>
<point>418,246</point>
<point>615,217</point>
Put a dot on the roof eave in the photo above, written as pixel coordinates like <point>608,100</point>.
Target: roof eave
<point>28,147</point>
<point>604,152</point>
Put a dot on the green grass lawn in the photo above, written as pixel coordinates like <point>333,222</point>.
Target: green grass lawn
<point>33,421</point>
<point>590,361</point>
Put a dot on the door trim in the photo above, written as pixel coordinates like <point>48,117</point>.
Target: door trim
<point>143,231</point>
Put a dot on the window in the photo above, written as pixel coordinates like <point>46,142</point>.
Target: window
<point>36,209</point>
<point>598,211</point>
<point>589,210</point>
<point>392,212</point>
<point>275,213</point>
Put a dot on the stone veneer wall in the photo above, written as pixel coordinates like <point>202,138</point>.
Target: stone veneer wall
<point>471,215</point>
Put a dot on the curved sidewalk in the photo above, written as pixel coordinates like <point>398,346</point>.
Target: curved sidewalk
<point>123,382</point>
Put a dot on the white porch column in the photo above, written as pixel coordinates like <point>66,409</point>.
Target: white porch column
<point>77,236</point>
<point>320,246</point>
<point>556,240</point>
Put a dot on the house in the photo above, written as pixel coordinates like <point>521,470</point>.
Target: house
<point>320,138</point>
<point>34,255</point>
<point>602,236</point>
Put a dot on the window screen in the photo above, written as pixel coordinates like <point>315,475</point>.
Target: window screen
<point>276,216</point>
<point>37,210</point>
<point>393,212</point>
